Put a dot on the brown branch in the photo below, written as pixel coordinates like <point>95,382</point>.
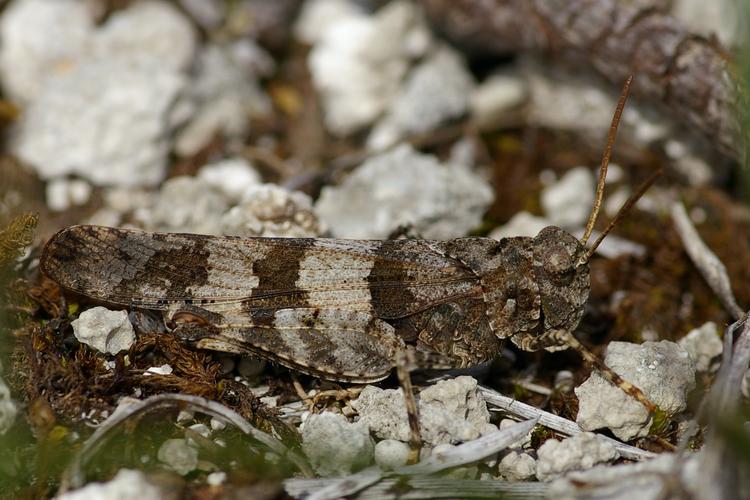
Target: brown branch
<point>688,73</point>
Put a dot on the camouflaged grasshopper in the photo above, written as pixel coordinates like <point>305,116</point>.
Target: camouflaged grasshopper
<point>344,310</point>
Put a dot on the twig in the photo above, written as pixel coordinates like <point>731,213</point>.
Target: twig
<point>552,421</point>
<point>340,487</point>
<point>709,265</point>
<point>473,451</point>
<point>420,487</point>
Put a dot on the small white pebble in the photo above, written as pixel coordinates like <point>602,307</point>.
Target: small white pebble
<point>231,176</point>
<point>521,443</point>
<point>270,401</point>
<point>159,370</point>
<point>104,330</point>
<point>517,466</point>
<point>201,429</point>
<point>579,452</point>
<point>547,177</point>
<point>216,478</point>
<point>564,381</point>
<point>185,416</point>
<point>179,456</point>
<point>704,346</point>
<point>63,193</point>
<point>698,215</point>
<point>390,454</point>
<point>567,202</point>
<point>217,424</point>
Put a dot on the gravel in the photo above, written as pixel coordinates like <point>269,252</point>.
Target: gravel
<point>35,45</point>
<point>178,456</point>
<point>517,466</point>
<point>436,91</point>
<point>358,63</point>
<point>579,452</point>
<point>662,370</point>
<point>126,485</point>
<point>404,187</point>
<point>704,346</point>
<point>106,331</point>
<point>8,408</point>
<point>335,446</point>
<point>109,116</point>
<point>450,411</point>
<point>567,203</point>
<point>390,453</point>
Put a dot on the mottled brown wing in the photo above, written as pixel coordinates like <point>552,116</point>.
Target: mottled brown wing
<point>387,279</point>
<point>333,344</point>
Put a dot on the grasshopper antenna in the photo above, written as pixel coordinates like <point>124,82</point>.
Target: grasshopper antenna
<point>624,210</point>
<point>605,160</point>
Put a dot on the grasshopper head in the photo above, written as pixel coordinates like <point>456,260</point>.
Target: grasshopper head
<point>561,271</point>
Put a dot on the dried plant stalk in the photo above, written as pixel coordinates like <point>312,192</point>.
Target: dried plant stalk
<point>688,73</point>
<point>709,265</point>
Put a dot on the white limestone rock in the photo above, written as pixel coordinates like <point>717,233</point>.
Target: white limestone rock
<point>185,205</point>
<point>150,31</point>
<point>704,346</point>
<point>179,456</point>
<point>317,16</point>
<point>448,402</point>
<point>436,90</point>
<point>644,480</point>
<point>359,61</point>
<point>517,466</point>
<point>390,454</point>
<point>126,485</point>
<point>231,176</point>
<point>106,120</point>
<point>226,95</point>
<point>404,187</point>
<point>270,210</point>
<point>109,116</point>
<point>334,446</point>
<point>104,330</point>
<point>35,44</point>
<point>583,103</point>
<point>567,203</point>
<point>209,14</point>
<point>724,19</point>
<point>579,452</point>
<point>662,370</point>
<point>451,411</point>
<point>62,194</point>
<point>8,408</point>
<point>521,224</point>
<point>495,97</point>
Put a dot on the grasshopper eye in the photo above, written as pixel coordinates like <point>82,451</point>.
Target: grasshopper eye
<point>559,266</point>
